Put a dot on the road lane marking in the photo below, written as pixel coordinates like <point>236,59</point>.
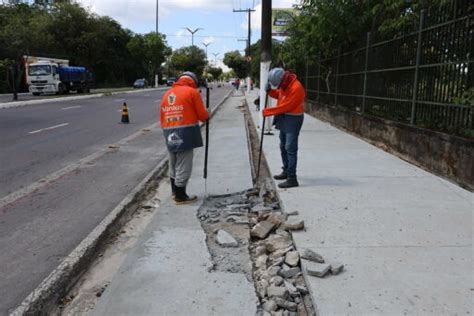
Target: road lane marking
<point>45,181</point>
<point>71,107</point>
<point>48,128</point>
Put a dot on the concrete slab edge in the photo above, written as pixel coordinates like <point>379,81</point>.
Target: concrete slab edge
<point>282,206</point>
<point>44,299</point>
<point>7,105</point>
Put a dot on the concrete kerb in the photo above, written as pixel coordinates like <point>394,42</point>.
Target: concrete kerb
<point>7,105</point>
<point>45,298</point>
<point>282,207</point>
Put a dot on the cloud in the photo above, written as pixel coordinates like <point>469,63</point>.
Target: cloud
<point>136,12</point>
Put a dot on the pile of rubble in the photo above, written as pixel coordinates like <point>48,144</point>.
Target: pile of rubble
<point>251,227</point>
<point>278,276</point>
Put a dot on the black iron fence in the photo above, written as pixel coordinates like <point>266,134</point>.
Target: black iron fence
<point>423,78</point>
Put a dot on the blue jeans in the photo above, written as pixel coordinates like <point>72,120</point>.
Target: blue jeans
<point>289,152</point>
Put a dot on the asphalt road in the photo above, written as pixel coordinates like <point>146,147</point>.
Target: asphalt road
<point>59,177</point>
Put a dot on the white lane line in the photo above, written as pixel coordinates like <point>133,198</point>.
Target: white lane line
<point>49,128</point>
<point>71,107</point>
<point>156,101</point>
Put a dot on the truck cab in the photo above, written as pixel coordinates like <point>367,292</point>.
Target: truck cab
<point>47,77</point>
<point>43,77</point>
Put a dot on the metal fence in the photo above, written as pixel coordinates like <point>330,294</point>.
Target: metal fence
<point>423,78</point>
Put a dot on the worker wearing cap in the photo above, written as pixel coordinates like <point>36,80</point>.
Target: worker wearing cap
<point>180,112</point>
<point>289,112</point>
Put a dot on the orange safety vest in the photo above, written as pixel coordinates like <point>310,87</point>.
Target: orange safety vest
<point>181,110</point>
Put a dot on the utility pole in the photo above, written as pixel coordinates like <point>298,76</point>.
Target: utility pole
<point>192,33</point>
<point>266,55</point>
<point>206,44</point>
<point>247,53</point>
<point>156,30</point>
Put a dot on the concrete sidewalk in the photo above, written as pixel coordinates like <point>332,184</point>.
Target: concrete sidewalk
<point>404,235</point>
<point>166,273</point>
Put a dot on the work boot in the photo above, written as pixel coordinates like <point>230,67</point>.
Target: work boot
<point>289,183</point>
<point>282,176</point>
<point>182,198</point>
<point>173,187</point>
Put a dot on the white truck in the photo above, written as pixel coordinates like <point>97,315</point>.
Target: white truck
<point>55,76</point>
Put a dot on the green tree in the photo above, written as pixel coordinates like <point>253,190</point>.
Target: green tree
<point>149,51</point>
<point>190,58</point>
<point>237,62</point>
<point>216,72</point>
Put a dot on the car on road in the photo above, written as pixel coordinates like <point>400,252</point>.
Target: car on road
<point>170,81</point>
<point>140,83</point>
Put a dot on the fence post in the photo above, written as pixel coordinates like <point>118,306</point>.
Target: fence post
<point>319,78</point>
<point>337,74</point>
<point>365,71</point>
<point>417,68</point>
<point>306,82</point>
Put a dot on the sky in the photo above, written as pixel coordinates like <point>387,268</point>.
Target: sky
<point>221,27</point>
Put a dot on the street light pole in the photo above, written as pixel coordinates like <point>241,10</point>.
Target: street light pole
<point>215,57</point>
<point>157,16</point>
<point>206,44</point>
<point>192,33</point>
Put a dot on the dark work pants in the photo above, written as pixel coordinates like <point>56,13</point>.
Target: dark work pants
<point>289,152</point>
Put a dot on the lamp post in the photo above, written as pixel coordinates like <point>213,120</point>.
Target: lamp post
<point>215,57</point>
<point>156,16</point>
<point>206,44</point>
<point>192,33</point>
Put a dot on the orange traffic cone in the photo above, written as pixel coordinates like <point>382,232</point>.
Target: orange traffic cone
<point>125,114</point>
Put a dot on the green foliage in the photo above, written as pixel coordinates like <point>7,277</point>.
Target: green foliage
<point>215,72</point>
<point>190,58</point>
<point>237,62</point>
<point>66,30</point>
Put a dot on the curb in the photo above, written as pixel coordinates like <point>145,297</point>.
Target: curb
<point>45,298</point>
<point>7,105</point>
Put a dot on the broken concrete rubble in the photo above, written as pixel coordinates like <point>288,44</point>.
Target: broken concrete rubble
<point>276,242</point>
<point>293,225</point>
<point>317,269</point>
<point>336,268</point>
<point>287,272</point>
<point>292,258</point>
<point>311,255</point>
<point>225,239</point>
<point>277,291</point>
<point>269,306</point>
<point>262,229</point>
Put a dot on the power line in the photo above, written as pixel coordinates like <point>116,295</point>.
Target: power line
<point>217,36</point>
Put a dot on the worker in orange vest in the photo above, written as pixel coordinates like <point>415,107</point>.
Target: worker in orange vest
<point>289,113</point>
<point>180,112</point>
